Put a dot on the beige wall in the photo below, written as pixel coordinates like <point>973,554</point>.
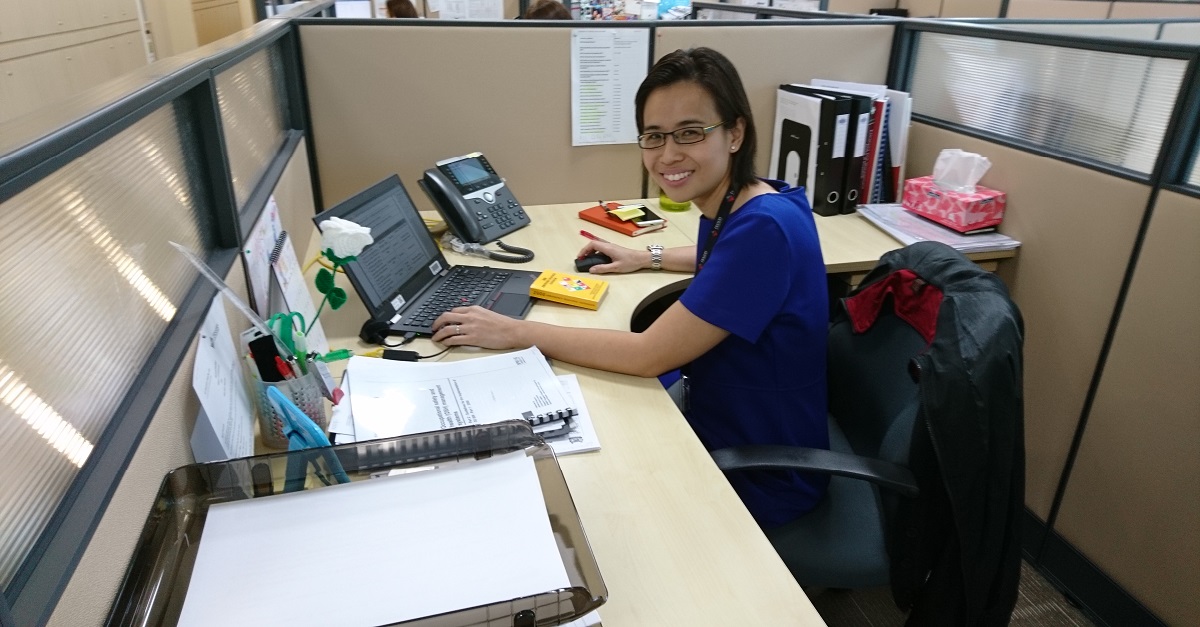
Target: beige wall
<point>1077,227</point>
<point>216,18</point>
<point>1154,9</point>
<point>1132,504</point>
<point>172,26</point>
<point>1076,9</point>
<point>52,49</point>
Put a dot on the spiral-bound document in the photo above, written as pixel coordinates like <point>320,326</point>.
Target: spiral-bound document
<point>392,398</point>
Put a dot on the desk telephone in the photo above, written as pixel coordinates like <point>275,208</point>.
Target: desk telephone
<point>473,199</point>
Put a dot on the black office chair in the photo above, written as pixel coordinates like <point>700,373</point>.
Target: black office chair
<point>926,439</point>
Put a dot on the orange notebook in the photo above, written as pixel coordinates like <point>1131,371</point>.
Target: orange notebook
<point>598,214</point>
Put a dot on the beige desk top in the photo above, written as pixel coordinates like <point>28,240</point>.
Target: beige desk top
<point>673,541</point>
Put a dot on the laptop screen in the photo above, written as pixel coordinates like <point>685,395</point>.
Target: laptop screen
<point>404,257</point>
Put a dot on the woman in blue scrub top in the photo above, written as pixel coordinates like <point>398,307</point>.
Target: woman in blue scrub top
<point>749,332</point>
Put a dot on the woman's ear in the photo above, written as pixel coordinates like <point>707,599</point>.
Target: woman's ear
<point>737,131</point>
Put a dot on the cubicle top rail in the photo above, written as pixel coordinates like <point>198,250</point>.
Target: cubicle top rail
<point>33,145</point>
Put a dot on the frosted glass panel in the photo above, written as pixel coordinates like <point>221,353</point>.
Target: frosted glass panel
<point>90,284</point>
<point>1110,107</point>
<point>252,100</point>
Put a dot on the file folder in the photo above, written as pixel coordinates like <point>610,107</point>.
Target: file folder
<point>832,127</point>
<point>857,135</point>
<point>157,578</point>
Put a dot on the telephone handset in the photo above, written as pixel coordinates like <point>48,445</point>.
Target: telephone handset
<point>473,199</point>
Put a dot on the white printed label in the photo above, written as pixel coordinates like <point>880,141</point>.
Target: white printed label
<point>860,138</point>
<point>435,267</point>
<point>395,319</point>
<point>397,303</point>
<point>839,135</point>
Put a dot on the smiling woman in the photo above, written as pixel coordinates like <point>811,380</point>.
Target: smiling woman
<point>749,332</point>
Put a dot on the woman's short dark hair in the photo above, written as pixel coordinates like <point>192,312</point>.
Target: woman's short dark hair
<point>401,8</point>
<point>717,76</point>
<point>547,10</point>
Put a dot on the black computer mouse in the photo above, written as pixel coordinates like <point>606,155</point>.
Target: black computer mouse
<point>583,264</point>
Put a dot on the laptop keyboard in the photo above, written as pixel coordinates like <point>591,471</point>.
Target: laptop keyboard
<point>459,289</point>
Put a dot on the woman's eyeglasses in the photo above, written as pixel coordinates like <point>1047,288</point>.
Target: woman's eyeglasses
<point>682,136</point>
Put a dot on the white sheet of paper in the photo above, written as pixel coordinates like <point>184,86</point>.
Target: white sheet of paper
<point>353,8</point>
<point>607,65</point>
<point>409,546</point>
<point>391,398</point>
<point>297,297</point>
<point>485,9</point>
<point>225,426</point>
<point>582,437</point>
<point>453,10</point>
<point>257,255</point>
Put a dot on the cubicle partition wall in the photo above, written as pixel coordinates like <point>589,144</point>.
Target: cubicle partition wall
<point>397,97</point>
<point>101,312</point>
<point>1093,139</point>
<point>1083,135</point>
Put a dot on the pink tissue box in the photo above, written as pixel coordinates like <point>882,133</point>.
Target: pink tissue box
<point>959,211</point>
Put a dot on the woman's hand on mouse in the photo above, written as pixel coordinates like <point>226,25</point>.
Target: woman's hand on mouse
<point>623,259</point>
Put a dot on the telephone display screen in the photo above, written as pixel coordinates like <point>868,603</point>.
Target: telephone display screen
<point>468,172</point>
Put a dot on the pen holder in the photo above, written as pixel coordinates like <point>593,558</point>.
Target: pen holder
<point>305,392</point>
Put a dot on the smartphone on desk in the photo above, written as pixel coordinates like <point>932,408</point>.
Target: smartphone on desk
<point>473,199</point>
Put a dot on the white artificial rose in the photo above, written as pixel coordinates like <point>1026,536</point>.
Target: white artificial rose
<point>344,238</point>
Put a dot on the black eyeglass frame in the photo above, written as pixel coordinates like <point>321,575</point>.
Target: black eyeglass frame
<point>704,131</point>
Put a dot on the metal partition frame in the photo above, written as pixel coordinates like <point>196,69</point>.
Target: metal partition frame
<point>94,118</point>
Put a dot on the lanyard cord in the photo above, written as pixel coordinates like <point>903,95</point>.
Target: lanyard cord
<point>718,224</point>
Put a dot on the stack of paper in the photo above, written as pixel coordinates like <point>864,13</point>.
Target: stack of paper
<point>386,399</point>
<point>909,228</point>
<point>404,547</point>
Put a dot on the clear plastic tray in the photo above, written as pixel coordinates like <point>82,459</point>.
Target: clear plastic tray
<point>158,575</point>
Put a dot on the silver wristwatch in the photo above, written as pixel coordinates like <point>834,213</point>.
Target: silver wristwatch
<point>656,252</point>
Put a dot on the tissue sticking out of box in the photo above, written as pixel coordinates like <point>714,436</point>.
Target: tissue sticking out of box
<point>959,171</point>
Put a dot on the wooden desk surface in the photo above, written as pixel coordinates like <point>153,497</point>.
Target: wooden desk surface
<point>674,543</point>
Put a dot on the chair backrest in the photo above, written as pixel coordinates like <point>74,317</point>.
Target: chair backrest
<point>872,396</point>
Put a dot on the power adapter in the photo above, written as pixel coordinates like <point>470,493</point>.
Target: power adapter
<point>396,355</point>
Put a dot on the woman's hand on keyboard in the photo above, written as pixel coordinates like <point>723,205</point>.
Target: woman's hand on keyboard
<point>476,326</point>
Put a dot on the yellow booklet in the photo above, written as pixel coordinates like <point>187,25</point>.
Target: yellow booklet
<point>569,289</point>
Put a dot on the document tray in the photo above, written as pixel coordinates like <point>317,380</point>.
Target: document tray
<point>157,579</point>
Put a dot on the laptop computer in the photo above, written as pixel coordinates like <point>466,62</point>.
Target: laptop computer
<point>404,279</point>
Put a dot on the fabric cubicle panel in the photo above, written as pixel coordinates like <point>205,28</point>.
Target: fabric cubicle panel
<point>166,443</point>
<point>970,8</point>
<point>1074,9</point>
<point>1137,10</point>
<point>396,99</point>
<point>1077,227</point>
<point>768,56</point>
<point>1131,501</point>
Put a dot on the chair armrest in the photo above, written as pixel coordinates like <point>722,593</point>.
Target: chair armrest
<point>882,473</point>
